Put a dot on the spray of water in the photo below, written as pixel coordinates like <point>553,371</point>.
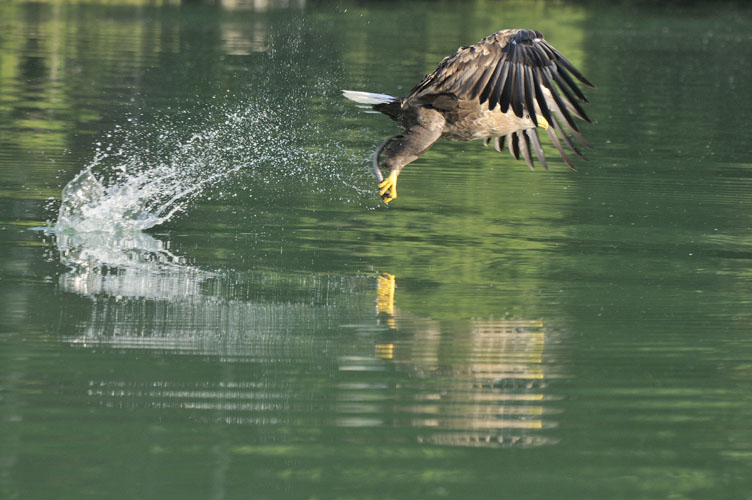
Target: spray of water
<point>275,139</point>
<point>147,175</point>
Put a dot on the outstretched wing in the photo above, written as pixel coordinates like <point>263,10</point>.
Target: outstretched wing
<point>517,70</point>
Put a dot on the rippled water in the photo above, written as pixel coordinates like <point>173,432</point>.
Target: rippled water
<point>202,296</point>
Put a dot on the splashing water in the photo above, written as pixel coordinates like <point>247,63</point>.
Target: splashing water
<point>136,201</point>
<point>148,171</point>
<point>263,143</point>
<point>147,174</point>
<point>152,175</point>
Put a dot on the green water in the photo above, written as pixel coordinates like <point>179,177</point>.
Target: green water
<point>493,333</point>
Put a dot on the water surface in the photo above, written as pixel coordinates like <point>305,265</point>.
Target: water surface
<point>231,313</point>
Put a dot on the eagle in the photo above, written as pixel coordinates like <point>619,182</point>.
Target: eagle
<point>503,88</point>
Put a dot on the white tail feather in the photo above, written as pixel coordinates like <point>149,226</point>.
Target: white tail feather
<point>368,97</point>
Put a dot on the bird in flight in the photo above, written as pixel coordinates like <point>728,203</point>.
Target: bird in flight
<point>502,88</point>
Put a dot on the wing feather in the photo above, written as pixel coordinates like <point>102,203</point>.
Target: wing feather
<point>500,77</point>
<point>530,94</point>
<point>499,143</point>
<point>540,98</point>
<point>557,127</point>
<point>518,91</point>
<point>514,146</point>
<point>521,73</point>
<point>559,148</point>
<point>532,134</point>
<point>482,82</point>
<point>563,108</point>
<point>525,149</point>
<point>570,83</point>
<point>505,99</point>
<point>570,99</point>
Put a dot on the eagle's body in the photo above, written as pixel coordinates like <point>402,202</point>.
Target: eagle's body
<point>502,88</point>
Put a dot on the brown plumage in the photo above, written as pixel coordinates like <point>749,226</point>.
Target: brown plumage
<point>502,88</point>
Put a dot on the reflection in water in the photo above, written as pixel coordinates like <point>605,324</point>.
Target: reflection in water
<point>482,384</point>
<point>262,5</point>
<point>311,393</point>
<point>125,266</point>
<point>146,296</point>
<point>303,350</point>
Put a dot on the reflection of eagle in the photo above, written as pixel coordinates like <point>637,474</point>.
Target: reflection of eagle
<point>503,87</point>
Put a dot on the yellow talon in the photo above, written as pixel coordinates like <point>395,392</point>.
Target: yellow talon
<point>388,187</point>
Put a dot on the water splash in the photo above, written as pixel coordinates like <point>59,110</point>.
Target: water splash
<point>133,202</point>
<point>147,175</point>
<point>273,141</point>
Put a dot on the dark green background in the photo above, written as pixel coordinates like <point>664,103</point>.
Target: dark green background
<point>555,334</point>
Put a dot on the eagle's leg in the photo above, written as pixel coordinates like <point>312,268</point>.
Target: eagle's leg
<point>388,187</point>
<point>401,150</point>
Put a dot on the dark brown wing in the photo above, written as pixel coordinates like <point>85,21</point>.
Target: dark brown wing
<point>515,69</point>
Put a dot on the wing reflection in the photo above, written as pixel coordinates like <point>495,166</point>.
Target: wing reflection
<point>475,383</point>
